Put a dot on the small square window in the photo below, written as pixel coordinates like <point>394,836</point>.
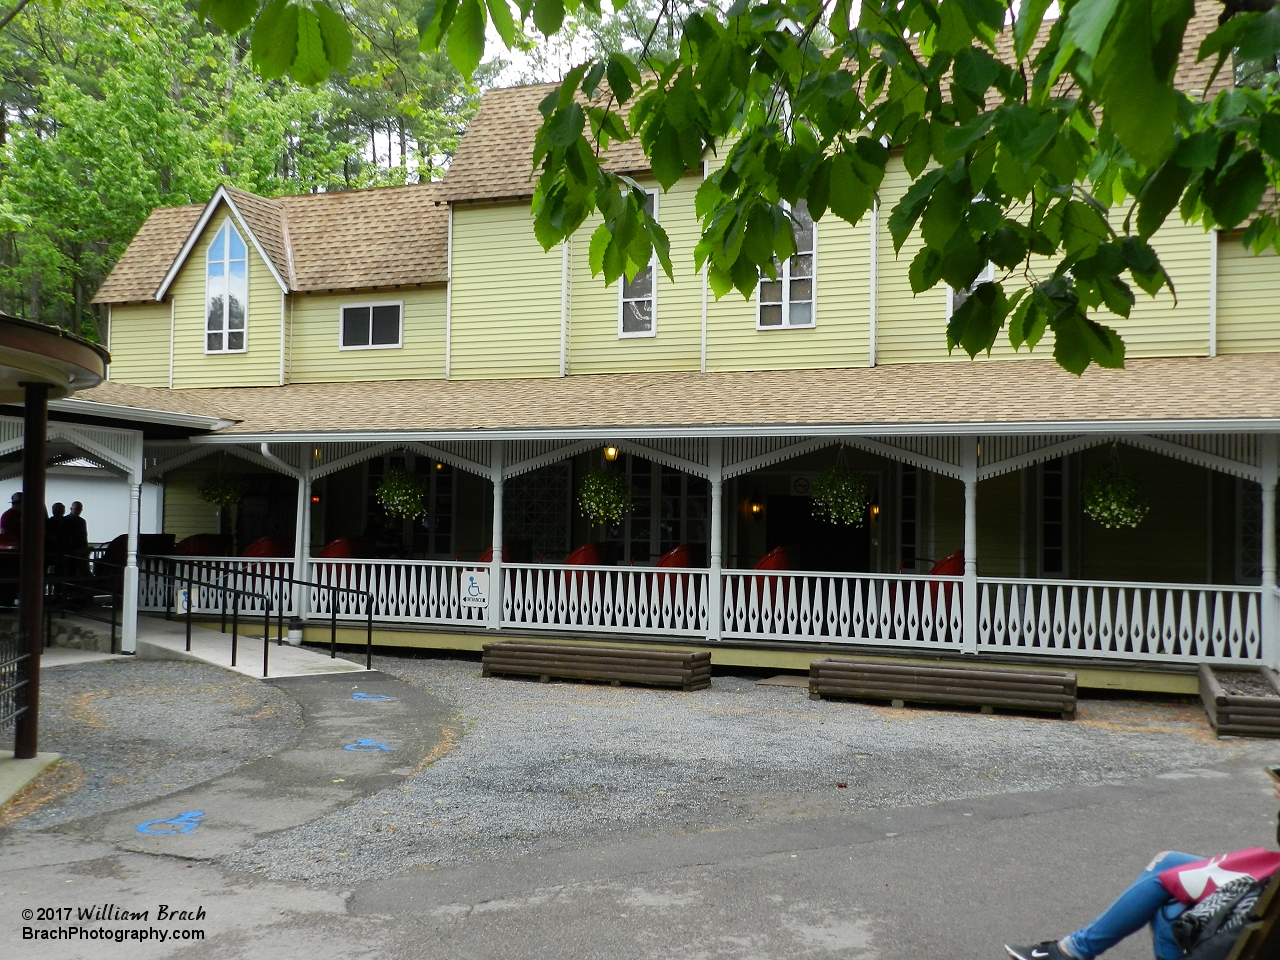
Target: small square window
<point>374,325</point>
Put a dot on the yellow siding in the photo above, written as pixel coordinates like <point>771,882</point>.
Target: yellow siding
<point>505,298</point>
<point>594,343</point>
<point>840,335</point>
<point>315,319</point>
<point>909,329</point>
<point>185,513</point>
<point>1248,299</point>
<point>1158,328</point>
<point>139,343</point>
<point>259,365</point>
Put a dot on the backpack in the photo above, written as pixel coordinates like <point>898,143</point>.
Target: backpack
<point>1209,930</point>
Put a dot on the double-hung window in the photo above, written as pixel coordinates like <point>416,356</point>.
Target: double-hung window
<point>638,297</point>
<point>371,326</point>
<point>226,293</point>
<point>788,301</point>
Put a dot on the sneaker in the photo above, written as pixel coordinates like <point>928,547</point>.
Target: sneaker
<point>1049,950</point>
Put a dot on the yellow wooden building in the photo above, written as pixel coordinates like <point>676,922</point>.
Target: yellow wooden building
<point>335,338</point>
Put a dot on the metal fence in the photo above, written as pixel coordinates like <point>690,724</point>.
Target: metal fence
<point>13,678</point>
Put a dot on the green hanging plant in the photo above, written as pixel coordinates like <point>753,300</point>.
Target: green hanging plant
<point>222,489</point>
<point>1114,499</point>
<point>840,496</point>
<point>603,497</point>
<point>403,494</point>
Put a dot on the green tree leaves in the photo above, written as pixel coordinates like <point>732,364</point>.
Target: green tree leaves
<point>308,40</point>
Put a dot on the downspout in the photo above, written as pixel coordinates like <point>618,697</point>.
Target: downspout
<point>173,327</point>
<point>448,299</point>
<point>703,354</point>
<point>1213,292</point>
<point>564,308</point>
<point>873,296</point>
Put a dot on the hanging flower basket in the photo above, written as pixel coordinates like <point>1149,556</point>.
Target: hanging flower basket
<point>1114,499</point>
<point>603,497</point>
<point>403,494</point>
<point>840,497</point>
<point>222,489</point>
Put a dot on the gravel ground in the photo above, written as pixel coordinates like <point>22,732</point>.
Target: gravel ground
<point>133,730</point>
<point>539,766</point>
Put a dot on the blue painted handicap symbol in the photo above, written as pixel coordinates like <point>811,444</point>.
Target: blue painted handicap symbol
<point>367,746</point>
<point>182,823</point>
<point>370,696</point>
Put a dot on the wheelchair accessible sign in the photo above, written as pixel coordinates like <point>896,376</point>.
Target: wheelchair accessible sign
<point>475,588</point>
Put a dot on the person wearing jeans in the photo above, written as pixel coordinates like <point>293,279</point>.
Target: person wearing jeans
<point>1149,901</point>
<point>1146,902</point>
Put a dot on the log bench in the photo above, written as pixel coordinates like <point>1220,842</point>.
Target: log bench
<point>1260,939</point>
<point>1051,691</point>
<point>686,669</point>
<point>1241,716</point>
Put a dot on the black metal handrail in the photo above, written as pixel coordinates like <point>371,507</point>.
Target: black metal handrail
<point>236,594</point>
<point>224,567</point>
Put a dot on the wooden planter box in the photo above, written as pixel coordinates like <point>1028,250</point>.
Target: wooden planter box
<point>1052,691</point>
<point>686,669</point>
<point>1235,714</point>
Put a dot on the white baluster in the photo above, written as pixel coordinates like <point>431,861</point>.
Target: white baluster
<point>833,614</point>
<point>886,610</point>
<point>1059,618</point>
<point>1252,631</point>
<point>1201,645</point>
<point>805,620</point>
<point>1044,628</point>
<point>998,625</point>
<point>984,615</point>
<point>1090,621</point>
<point>1073,621</point>
<point>793,606</point>
<point>913,611</point>
<point>957,613</point>
<point>861,617</point>
<point>1015,617</point>
<point>1219,624</point>
<point>1235,639</point>
<point>844,606</point>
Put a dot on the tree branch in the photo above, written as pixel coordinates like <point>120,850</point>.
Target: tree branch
<point>13,13</point>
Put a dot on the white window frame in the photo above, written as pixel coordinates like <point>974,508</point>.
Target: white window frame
<point>226,320</point>
<point>653,290</point>
<point>343,308</point>
<point>784,277</point>
<point>988,275</point>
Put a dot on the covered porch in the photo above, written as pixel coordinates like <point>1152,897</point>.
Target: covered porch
<point>500,549</point>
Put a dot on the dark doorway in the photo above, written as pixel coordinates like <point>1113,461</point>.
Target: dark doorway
<point>269,508</point>
<point>816,544</point>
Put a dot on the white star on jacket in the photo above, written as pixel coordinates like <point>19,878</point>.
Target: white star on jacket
<point>1197,881</point>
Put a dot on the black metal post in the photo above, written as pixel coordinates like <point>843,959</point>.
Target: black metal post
<point>31,575</point>
<point>115,645</point>
<point>235,623</point>
<point>222,582</point>
<point>368,637</point>
<point>190,603</point>
<point>266,634</point>
<point>333,623</point>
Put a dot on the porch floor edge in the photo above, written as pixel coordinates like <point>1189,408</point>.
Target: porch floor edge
<point>1091,674</point>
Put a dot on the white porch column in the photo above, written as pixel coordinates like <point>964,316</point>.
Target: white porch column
<point>302,541</point>
<point>1269,460</point>
<point>129,601</point>
<point>715,474</point>
<point>495,566</point>
<point>969,600</point>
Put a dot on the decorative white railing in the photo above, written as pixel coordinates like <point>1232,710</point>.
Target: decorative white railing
<point>210,575</point>
<point>643,600</point>
<point>1142,621</point>
<point>1046,618</point>
<point>407,591</point>
<point>849,607</point>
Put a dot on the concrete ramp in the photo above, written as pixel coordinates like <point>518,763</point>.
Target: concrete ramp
<point>160,639</point>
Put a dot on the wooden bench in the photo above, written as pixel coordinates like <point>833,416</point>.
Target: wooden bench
<point>1052,691</point>
<point>686,669</point>
<point>1237,715</point>
<point>1260,940</point>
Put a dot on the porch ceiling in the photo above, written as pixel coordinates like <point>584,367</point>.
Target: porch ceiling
<point>991,397</point>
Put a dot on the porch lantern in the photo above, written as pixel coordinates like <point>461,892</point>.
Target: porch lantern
<point>611,453</point>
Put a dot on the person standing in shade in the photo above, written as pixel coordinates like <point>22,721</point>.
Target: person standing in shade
<point>75,539</point>
<point>11,519</point>
<point>55,543</point>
